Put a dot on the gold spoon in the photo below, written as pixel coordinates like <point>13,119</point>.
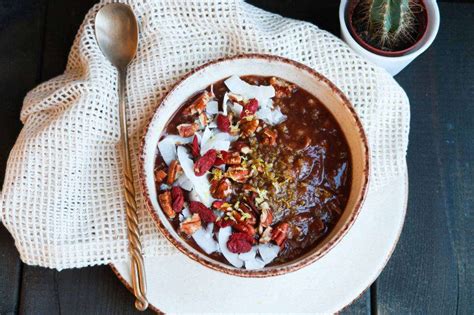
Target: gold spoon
<point>116,30</point>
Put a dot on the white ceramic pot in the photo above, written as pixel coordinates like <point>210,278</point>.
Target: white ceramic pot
<point>393,64</point>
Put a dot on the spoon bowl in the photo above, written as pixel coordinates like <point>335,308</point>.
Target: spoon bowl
<point>116,31</point>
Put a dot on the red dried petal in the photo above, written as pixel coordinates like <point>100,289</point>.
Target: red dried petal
<point>223,123</point>
<point>224,223</point>
<point>250,108</point>
<point>221,158</point>
<point>205,162</point>
<point>178,198</point>
<point>195,147</point>
<point>206,214</point>
<point>240,243</point>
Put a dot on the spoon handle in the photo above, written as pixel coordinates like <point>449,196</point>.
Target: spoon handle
<point>135,246</point>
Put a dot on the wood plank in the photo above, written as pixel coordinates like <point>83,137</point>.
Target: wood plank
<point>360,306</point>
<point>77,291</point>
<point>39,291</point>
<point>323,14</point>
<point>94,290</point>
<point>21,27</point>
<point>431,270</point>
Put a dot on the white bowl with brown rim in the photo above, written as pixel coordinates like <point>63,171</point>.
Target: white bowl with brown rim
<point>261,65</point>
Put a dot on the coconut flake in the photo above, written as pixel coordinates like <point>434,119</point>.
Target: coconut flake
<point>185,213</point>
<point>232,258</point>
<point>204,238</point>
<point>216,140</point>
<point>225,100</point>
<point>164,187</point>
<point>236,108</point>
<point>212,125</point>
<point>262,93</point>
<point>256,263</point>
<point>184,182</point>
<point>167,147</point>
<point>193,196</point>
<point>270,116</point>
<point>212,108</point>
<point>268,252</point>
<point>250,255</point>
<point>201,184</point>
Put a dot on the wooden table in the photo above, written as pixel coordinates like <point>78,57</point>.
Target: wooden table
<point>431,270</point>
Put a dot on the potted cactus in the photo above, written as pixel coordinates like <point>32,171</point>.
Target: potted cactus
<point>390,33</point>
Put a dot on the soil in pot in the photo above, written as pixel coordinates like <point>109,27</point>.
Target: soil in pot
<point>359,27</point>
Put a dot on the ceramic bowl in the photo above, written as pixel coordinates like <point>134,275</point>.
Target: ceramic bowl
<point>263,65</point>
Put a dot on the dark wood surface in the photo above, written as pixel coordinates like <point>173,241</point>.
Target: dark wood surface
<point>431,270</point>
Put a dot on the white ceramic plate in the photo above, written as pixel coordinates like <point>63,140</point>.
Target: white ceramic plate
<point>178,284</point>
<point>263,65</point>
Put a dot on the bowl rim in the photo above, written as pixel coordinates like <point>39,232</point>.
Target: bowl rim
<point>274,270</point>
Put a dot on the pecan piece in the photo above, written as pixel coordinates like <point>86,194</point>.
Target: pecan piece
<point>190,225</point>
<point>282,88</point>
<point>174,171</point>
<point>242,147</point>
<point>165,202</point>
<point>280,233</point>
<point>160,176</point>
<point>187,130</point>
<point>199,104</point>
<point>248,127</point>
<point>203,120</point>
<point>222,205</point>
<point>266,218</point>
<point>238,174</point>
<point>266,235</point>
<point>245,228</point>
<point>247,214</point>
<point>269,136</point>
<point>233,158</point>
<point>221,189</point>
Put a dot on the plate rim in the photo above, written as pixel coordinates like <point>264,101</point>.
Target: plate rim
<point>377,274</point>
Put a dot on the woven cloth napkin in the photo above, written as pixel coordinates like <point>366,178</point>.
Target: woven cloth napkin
<point>62,199</point>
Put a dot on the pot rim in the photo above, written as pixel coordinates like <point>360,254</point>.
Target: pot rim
<point>299,262</point>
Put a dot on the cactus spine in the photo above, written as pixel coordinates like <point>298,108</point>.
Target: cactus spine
<point>389,21</point>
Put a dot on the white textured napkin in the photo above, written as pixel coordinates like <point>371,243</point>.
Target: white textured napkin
<point>62,198</point>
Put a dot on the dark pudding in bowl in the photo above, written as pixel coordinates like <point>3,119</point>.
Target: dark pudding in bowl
<point>253,171</point>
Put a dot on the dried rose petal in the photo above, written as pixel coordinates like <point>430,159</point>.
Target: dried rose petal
<point>178,199</point>
<point>204,212</point>
<point>222,223</point>
<point>223,123</point>
<point>250,108</point>
<point>195,147</point>
<point>240,243</point>
<point>205,162</point>
<point>221,158</point>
